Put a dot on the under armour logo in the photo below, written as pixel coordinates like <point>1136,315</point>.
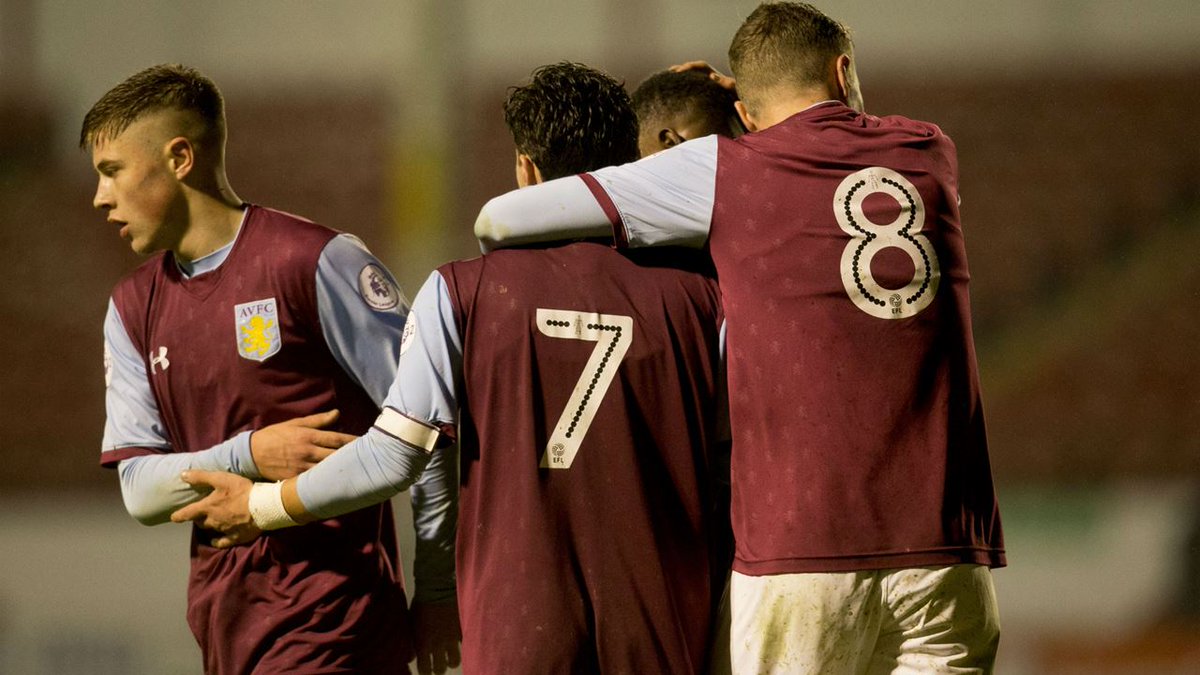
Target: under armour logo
<point>161,360</point>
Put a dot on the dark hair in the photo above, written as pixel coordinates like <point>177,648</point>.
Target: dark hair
<point>784,43</point>
<point>691,92</point>
<point>161,87</point>
<point>570,119</point>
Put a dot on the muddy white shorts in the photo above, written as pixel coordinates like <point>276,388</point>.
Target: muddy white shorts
<point>902,621</point>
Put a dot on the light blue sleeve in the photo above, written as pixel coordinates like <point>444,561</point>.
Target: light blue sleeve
<point>378,465</point>
<point>665,199</point>
<point>431,355</point>
<point>150,484</point>
<point>560,209</point>
<point>435,522</point>
<point>362,313</point>
<point>152,489</point>
<point>131,413</point>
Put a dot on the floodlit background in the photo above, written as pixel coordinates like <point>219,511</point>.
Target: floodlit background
<point>1080,163</point>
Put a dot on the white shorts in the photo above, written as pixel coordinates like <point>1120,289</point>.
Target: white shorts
<point>912,620</point>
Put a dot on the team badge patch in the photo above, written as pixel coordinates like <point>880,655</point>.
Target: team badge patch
<point>257,325</point>
<point>377,289</point>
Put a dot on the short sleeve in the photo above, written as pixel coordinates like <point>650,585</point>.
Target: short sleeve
<point>132,425</point>
<point>362,313</point>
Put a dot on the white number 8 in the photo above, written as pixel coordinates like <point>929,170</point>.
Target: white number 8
<point>869,238</point>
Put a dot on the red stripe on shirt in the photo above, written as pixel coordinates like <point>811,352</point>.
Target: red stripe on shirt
<point>620,236</point>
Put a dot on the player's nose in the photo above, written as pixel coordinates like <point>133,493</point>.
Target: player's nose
<point>103,198</point>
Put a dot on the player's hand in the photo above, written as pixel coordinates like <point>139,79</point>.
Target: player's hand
<point>286,449</point>
<point>713,74</point>
<point>226,509</point>
<point>437,634</point>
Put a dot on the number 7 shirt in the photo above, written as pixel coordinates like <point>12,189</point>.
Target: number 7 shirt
<point>858,432</point>
<point>586,387</point>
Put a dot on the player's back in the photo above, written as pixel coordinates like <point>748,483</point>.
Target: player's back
<point>591,396</point>
<point>858,429</point>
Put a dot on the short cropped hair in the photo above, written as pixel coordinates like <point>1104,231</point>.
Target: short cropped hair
<point>570,119</point>
<point>788,43</point>
<point>161,87</point>
<point>691,92</point>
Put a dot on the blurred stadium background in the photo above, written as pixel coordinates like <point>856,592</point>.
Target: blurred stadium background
<point>1080,167</point>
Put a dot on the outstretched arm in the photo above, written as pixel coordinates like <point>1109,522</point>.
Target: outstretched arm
<point>662,200</point>
<point>421,409</point>
<point>556,210</point>
<point>152,489</point>
<point>241,509</point>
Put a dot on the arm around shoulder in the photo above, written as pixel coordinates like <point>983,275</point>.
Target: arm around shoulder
<point>556,210</point>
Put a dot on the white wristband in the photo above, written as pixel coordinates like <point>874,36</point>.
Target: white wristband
<point>266,507</point>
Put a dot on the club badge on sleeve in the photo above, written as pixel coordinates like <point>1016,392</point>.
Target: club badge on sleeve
<point>257,324</point>
<point>377,289</point>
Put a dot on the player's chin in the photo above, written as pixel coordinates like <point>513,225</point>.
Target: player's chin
<point>141,245</point>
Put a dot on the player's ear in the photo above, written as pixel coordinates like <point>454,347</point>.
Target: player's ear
<point>669,138</point>
<point>181,156</point>
<point>848,90</point>
<point>527,171</point>
<point>744,116</point>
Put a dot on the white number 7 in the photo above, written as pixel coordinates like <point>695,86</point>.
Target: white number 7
<point>612,333</point>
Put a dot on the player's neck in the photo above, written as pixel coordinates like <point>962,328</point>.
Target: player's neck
<point>213,218</point>
<point>778,109</point>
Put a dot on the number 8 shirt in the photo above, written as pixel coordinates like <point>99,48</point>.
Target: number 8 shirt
<point>858,432</point>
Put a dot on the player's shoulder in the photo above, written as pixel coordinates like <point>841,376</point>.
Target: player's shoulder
<point>136,282</point>
<point>911,124</point>
<point>278,221</point>
<point>514,270</point>
<point>469,264</point>
<point>293,242</point>
<point>457,271</point>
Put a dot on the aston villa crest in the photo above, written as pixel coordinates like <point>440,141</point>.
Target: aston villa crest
<point>257,329</point>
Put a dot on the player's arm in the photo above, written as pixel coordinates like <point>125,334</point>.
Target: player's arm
<point>362,312</point>
<point>664,199</point>
<point>363,317</point>
<point>136,442</point>
<point>433,355</point>
<point>437,631</point>
<point>419,415</point>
